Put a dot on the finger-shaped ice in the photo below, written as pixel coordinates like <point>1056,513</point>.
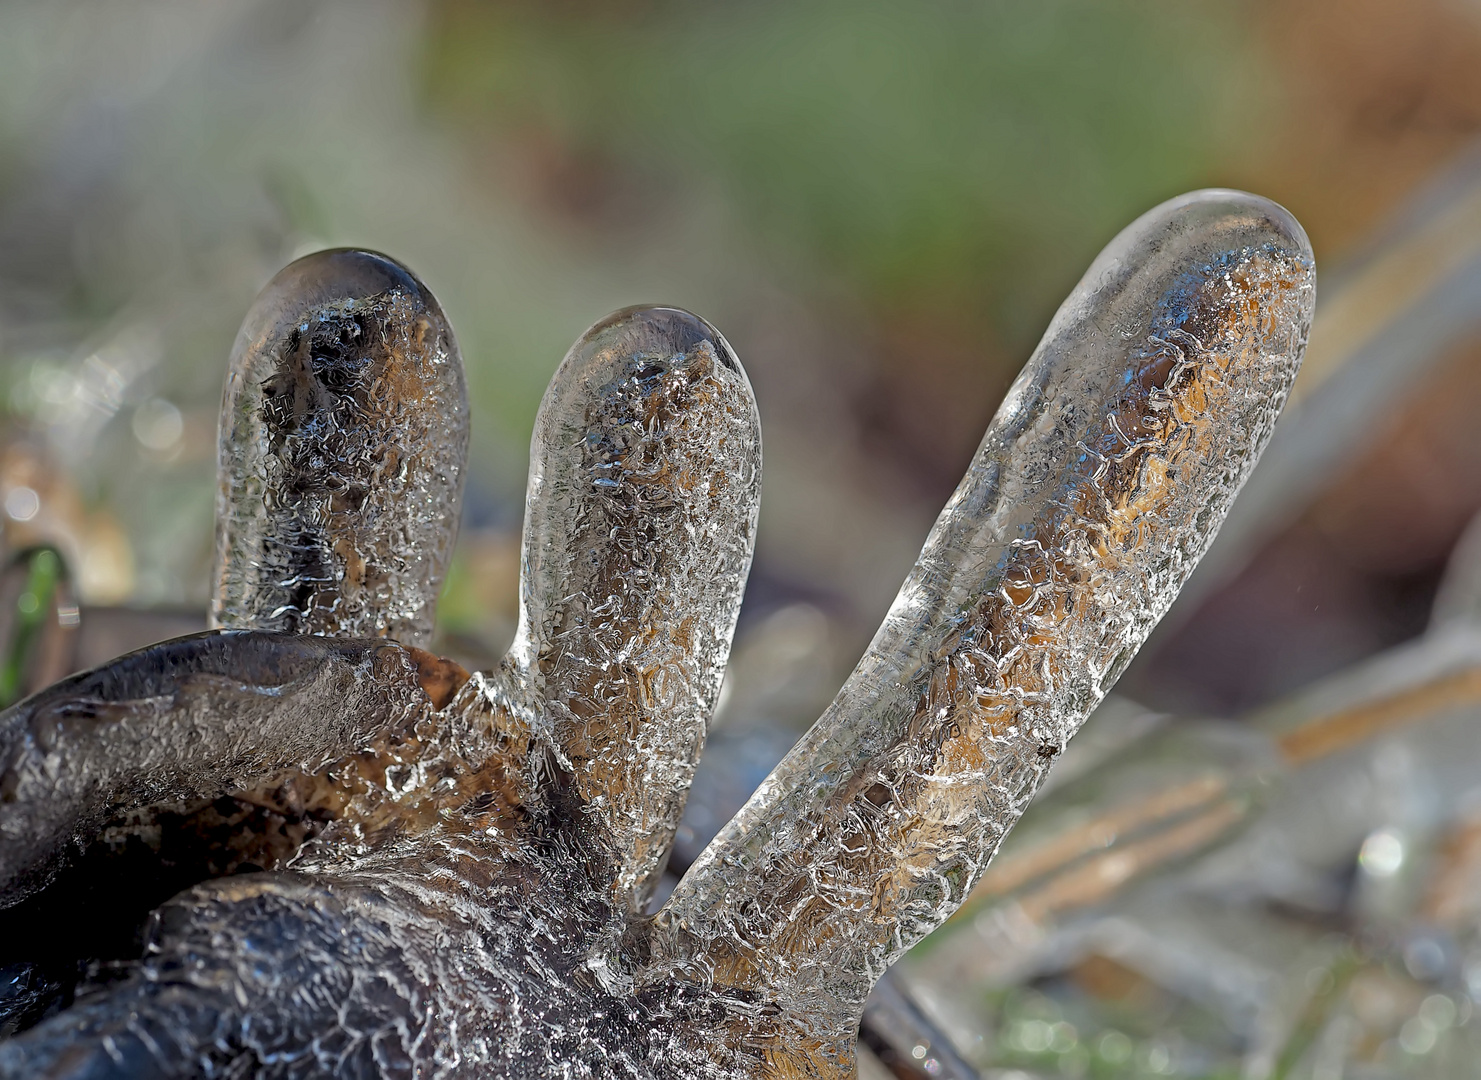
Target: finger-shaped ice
<point>645,477</point>
<point>344,434</point>
<point>1098,485</point>
<point>188,719</point>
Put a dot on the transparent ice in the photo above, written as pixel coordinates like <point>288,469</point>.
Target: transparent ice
<point>344,436</point>
<point>456,870</point>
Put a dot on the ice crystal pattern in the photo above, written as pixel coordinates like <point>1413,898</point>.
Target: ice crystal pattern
<point>455,870</point>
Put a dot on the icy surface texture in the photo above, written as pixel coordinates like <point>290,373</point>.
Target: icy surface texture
<point>1099,483</point>
<point>344,432</point>
<point>645,481</point>
<point>190,718</point>
<point>474,905</point>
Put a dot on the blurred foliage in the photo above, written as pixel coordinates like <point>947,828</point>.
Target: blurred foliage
<point>966,158</point>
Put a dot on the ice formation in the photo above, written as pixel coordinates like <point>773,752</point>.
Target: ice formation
<point>344,434</point>
<point>456,875</point>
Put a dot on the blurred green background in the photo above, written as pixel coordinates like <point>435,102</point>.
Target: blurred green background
<point>881,204</point>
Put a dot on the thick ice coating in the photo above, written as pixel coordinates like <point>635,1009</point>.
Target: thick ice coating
<point>1100,482</point>
<point>645,481</point>
<point>185,719</point>
<point>471,902</point>
<point>344,434</point>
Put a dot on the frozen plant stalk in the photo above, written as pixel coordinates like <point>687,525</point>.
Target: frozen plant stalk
<point>472,903</point>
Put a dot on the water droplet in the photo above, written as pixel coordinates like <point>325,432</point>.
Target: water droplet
<point>22,503</point>
<point>1382,853</point>
<point>158,425</point>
